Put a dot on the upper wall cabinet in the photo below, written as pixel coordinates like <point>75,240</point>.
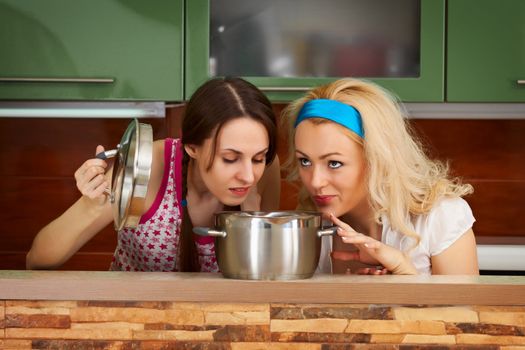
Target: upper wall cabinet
<point>486,51</point>
<point>91,50</point>
<point>287,46</point>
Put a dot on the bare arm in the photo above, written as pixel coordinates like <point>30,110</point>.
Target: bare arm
<point>458,259</point>
<point>59,240</point>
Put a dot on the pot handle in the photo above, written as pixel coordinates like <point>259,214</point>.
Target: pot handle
<point>205,231</point>
<point>108,154</point>
<point>327,231</point>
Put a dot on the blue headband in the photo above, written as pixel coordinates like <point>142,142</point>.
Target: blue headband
<point>335,111</point>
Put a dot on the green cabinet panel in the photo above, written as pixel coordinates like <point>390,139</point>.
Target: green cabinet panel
<point>59,46</point>
<point>486,51</point>
<point>427,86</point>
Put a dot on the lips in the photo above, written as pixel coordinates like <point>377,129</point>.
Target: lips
<point>239,191</point>
<point>323,200</point>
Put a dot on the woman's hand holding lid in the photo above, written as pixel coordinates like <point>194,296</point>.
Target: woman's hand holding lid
<point>91,179</point>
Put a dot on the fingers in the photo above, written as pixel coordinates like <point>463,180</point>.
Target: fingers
<point>94,162</point>
<point>340,223</point>
<point>90,177</point>
<point>94,187</point>
<point>375,270</point>
<point>100,149</point>
<point>349,235</point>
<point>371,251</point>
<point>345,256</point>
<point>94,183</point>
<point>378,270</point>
<point>357,238</point>
<point>91,167</point>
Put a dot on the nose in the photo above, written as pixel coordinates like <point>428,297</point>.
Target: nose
<point>246,173</point>
<point>318,178</point>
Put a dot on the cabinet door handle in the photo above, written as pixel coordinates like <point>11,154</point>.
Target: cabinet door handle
<point>284,88</point>
<point>520,82</point>
<point>56,80</point>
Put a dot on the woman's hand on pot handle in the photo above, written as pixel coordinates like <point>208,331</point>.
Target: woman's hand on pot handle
<point>372,251</point>
<point>91,179</point>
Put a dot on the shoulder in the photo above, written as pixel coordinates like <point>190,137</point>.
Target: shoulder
<point>160,147</point>
<point>449,208</point>
<point>448,219</point>
<point>158,151</point>
<point>161,144</point>
<point>158,161</point>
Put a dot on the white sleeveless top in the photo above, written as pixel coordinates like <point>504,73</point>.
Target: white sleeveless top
<point>448,220</point>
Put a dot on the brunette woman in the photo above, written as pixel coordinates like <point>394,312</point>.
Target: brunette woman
<point>226,159</point>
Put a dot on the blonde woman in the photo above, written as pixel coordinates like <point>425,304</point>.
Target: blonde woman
<point>361,166</point>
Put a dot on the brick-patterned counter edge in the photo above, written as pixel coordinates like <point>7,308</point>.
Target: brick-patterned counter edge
<point>69,325</point>
<point>209,287</point>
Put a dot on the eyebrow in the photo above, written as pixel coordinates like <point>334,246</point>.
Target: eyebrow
<point>240,153</point>
<point>323,156</point>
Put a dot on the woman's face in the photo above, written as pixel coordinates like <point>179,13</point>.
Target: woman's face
<point>332,167</point>
<point>239,160</point>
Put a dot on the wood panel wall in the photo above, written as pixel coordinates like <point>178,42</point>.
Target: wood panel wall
<point>39,156</point>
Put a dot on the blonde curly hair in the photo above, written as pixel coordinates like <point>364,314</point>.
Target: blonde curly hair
<point>402,181</point>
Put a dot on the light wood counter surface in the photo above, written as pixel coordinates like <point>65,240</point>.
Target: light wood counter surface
<point>210,287</point>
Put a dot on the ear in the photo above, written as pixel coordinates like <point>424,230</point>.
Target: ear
<point>191,150</point>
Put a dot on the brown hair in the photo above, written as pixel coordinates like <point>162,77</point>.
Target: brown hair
<point>214,104</point>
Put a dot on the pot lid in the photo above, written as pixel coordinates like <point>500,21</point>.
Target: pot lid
<point>131,173</point>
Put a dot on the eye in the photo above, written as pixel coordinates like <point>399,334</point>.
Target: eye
<point>334,164</point>
<point>229,160</point>
<point>304,162</point>
<point>259,160</point>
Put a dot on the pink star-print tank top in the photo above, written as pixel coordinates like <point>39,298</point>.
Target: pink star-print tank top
<point>154,244</point>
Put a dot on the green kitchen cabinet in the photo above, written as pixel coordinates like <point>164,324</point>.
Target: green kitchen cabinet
<point>91,50</point>
<point>288,46</point>
<point>486,51</point>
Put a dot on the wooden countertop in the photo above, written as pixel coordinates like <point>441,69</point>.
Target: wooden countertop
<point>210,287</point>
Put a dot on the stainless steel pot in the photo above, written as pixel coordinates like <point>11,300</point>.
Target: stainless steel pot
<point>281,245</point>
<point>131,173</point>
